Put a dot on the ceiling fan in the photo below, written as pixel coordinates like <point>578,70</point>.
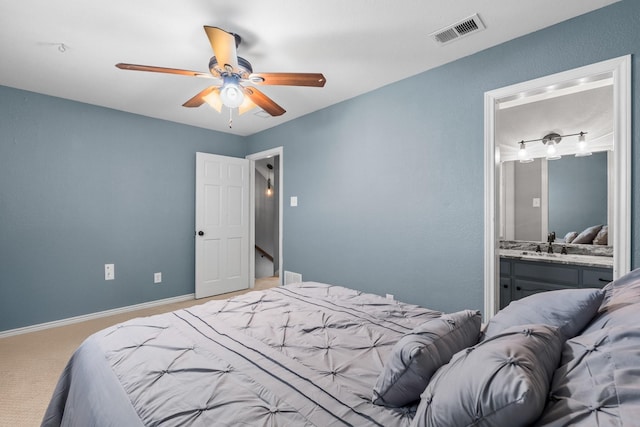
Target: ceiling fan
<point>231,74</point>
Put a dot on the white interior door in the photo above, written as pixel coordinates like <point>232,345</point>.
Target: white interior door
<point>222,224</point>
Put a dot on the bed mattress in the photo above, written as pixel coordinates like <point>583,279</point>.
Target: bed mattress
<point>304,355</point>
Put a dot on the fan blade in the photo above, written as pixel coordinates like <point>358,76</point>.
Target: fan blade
<point>247,105</point>
<point>224,47</point>
<point>153,69</point>
<point>288,79</point>
<point>263,101</point>
<point>210,95</point>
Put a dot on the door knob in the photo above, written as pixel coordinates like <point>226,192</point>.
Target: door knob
<point>200,233</point>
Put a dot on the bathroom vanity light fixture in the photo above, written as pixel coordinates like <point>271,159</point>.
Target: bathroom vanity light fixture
<point>551,141</point>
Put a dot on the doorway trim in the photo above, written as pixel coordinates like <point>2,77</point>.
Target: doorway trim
<point>278,151</point>
<point>620,70</point>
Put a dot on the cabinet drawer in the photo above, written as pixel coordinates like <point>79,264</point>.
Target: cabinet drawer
<point>596,278</point>
<point>547,272</point>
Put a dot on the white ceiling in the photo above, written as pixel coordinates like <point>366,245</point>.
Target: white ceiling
<point>359,45</point>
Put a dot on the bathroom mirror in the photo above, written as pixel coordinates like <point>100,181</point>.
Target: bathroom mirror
<point>607,81</point>
<point>560,197</point>
<point>570,192</point>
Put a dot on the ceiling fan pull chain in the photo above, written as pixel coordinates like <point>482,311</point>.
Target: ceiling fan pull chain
<point>230,117</point>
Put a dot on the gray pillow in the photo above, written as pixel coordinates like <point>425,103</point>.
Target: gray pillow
<point>419,354</point>
<point>587,235</point>
<point>568,309</point>
<point>502,381</point>
<point>602,238</point>
<point>570,236</point>
<point>597,381</point>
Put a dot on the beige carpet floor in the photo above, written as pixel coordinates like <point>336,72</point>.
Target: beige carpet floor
<point>31,363</point>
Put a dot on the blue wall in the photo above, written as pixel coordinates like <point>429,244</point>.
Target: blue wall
<point>577,193</point>
<point>81,186</point>
<point>390,184</point>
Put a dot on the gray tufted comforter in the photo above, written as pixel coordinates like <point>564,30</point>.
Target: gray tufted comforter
<point>300,355</point>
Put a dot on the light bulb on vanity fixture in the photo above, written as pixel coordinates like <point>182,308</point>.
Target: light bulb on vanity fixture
<point>583,149</point>
<point>551,140</point>
<point>522,153</point>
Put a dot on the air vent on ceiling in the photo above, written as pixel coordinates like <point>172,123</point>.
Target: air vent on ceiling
<point>467,26</point>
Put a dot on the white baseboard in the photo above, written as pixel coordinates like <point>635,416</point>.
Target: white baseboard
<point>84,317</point>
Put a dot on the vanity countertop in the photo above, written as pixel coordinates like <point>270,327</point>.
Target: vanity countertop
<point>557,258</point>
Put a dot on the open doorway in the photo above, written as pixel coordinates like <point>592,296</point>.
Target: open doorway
<point>266,212</point>
<point>266,247</point>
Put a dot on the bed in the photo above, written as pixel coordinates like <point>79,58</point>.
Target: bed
<point>313,354</point>
<point>306,354</point>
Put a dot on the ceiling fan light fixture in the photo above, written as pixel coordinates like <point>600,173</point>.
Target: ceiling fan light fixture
<point>229,72</point>
<point>213,99</point>
<point>231,92</point>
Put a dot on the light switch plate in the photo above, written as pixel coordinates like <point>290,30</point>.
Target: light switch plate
<point>294,201</point>
<point>536,202</point>
<point>157,277</point>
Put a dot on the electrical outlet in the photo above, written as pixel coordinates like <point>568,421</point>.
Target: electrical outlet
<point>157,277</point>
<point>390,296</point>
<point>109,272</point>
